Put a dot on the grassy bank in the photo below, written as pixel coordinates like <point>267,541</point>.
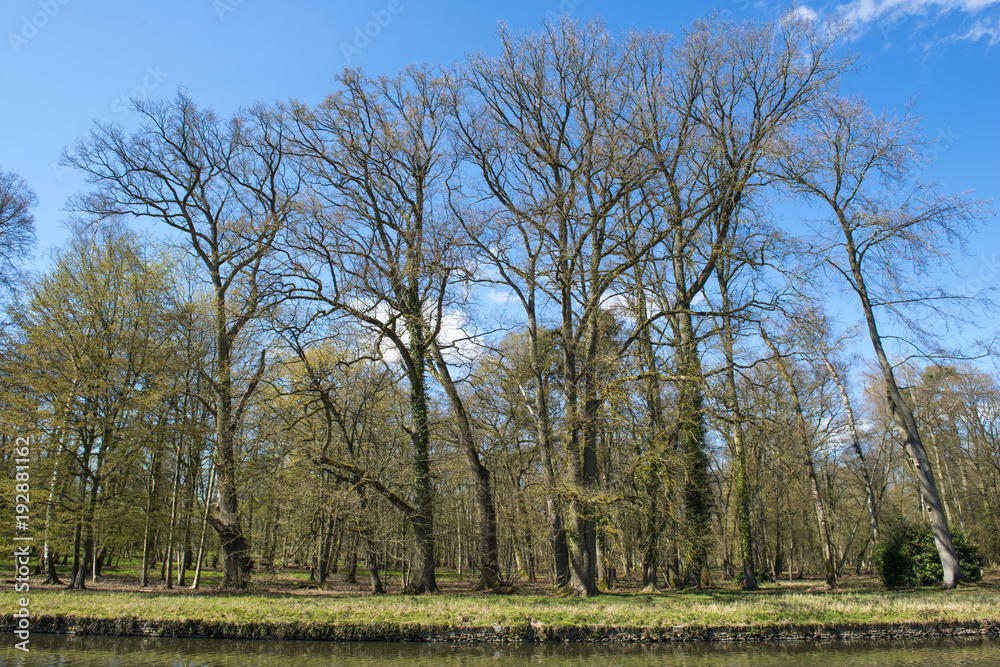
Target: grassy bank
<point>291,615</point>
<point>287,605</point>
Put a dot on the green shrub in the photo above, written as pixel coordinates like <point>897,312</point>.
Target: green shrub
<point>906,556</point>
<point>892,559</point>
<point>969,555</point>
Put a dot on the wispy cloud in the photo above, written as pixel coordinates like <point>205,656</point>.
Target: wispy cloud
<point>860,12</point>
<point>497,296</point>
<point>970,20</point>
<point>984,28</point>
<point>802,12</point>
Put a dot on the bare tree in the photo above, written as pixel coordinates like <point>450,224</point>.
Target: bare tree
<point>381,250</point>
<point>806,445</point>
<point>816,332</point>
<point>17,224</point>
<point>344,390</point>
<point>712,109</point>
<point>226,187</point>
<point>885,230</point>
<point>550,131</point>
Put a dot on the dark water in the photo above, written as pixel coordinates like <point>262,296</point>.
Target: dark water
<point>62,651</point>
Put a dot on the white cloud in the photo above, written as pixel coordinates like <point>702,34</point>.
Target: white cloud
<point>804,12</point>
<point>982,28</point>
<point>862,12</point>
<point>501,297</point>
<point>890,15</point>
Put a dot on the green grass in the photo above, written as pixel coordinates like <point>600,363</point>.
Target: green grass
<point>722,608</point>
<point>284,599</point>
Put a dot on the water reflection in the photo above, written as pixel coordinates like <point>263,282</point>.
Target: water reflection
<point>62,651</point>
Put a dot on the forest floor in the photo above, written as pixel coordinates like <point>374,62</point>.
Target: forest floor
<point>287,605</point>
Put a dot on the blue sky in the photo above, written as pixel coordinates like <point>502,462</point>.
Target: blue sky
<point>65,63</point>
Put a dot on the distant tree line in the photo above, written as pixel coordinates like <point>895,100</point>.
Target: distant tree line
<point>527,317</point>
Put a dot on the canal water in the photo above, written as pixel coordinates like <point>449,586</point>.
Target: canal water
<point>63,651</point>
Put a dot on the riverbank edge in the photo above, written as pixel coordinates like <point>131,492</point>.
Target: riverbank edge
<point>521,633</point>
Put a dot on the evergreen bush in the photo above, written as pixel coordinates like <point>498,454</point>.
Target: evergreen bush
<point>907,556</point>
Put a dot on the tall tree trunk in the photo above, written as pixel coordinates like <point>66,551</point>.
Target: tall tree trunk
<point>422,519</point>
<point>337,544</point>
<point>272,546</point>
<point>80,566</point>
<point>582,449</point>
<point>235,550</point>
<point>168,558</point>
<point>48,558</point>
<point>695,491</point>
<point>148,536</point>
<point>371,552</point>
<point>185,554</point>
<point>647,477</point>
<point>321,548</point>
<point>740,473</point>
<point>489,566</point>
<point>856,445</point>
<point>204,528</point>
<point>906,426</point>
<point>543,435</point>
<point>829,558</point>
